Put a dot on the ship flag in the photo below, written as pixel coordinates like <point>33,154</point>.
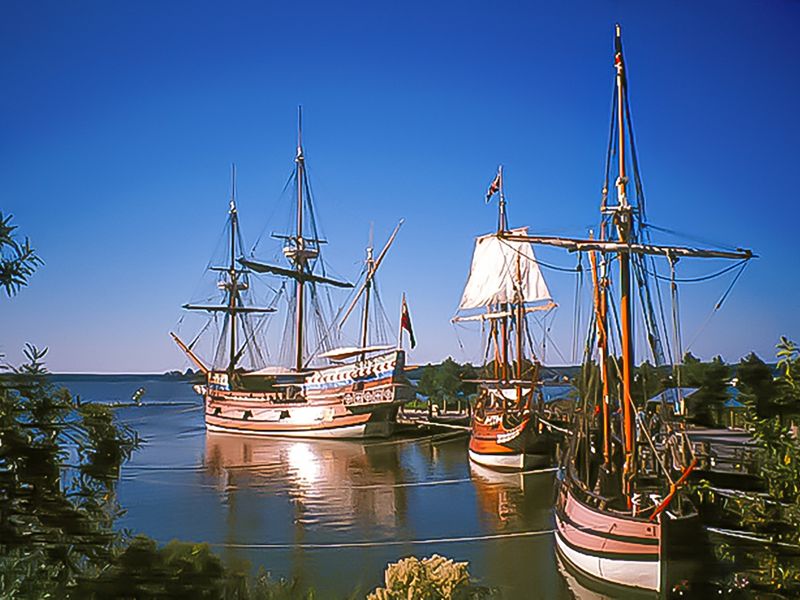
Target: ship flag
<point>495,186</point>
<point>405,322</point>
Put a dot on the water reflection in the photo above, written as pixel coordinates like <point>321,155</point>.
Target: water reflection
<point>584,588</point>
<point>333,484</point>
<point>518,503</point>
<point>509,500</point>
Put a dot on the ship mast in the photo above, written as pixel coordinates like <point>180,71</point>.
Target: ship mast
<point>371,270</point>
<point>233,274</point>
<point>622,222</point>
<point>367,289</point>
<point>231,304</point>
<point>502,227</point>
<point>519,314</point>
<point>300,258</point>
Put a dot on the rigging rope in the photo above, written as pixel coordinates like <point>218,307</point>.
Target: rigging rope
<point>576,317</point>
<point>536,260</point>
<point>610,151</point>
<point>662,314</point>
<point>272,214</point>
<point>701,278</point>
<point>718,305</point>
<point>689,237</point>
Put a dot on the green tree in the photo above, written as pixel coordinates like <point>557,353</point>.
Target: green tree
<point>647,382</point>
<point>448,383</point>
<point>706,405</point>
<point>59,464</point>
<point>691,371</point>
<point>757,386</point>
<point>468,375</point>
<point>18,260</point>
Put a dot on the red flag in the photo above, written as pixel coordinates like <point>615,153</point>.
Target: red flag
<point>495,187</point>
<point>405,322</point>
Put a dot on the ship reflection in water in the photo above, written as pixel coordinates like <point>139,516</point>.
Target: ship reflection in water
<point>332,514</point>
<point>338,484</point>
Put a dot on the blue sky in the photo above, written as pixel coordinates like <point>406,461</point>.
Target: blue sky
<point>119,122</point>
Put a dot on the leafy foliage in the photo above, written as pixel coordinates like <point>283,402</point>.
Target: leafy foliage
<point>18,260</point>
<point>59,463</point>
<point>432,578</point>
<point>447,382</point>
<point>706,405</point>
<point>773,565</point>
<point>182,570</point>
<point>757,386</point>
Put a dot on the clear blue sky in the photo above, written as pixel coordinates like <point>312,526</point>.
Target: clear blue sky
<point>118,123</point>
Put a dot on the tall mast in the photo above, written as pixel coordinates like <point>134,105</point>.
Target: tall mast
<point>233,275</point>
<point>520,323</point>
<point>623,226</point>
<point>300,261</point>
<point>502,227</point>
<point>365,316</point>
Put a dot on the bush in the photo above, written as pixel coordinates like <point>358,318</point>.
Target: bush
<point>433,578</point>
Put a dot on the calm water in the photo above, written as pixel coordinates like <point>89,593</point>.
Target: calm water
<point>330,513</point>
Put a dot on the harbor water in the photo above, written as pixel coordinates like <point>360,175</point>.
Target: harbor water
<point>330,514</point>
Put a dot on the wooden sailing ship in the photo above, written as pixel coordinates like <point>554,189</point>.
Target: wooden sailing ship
<point>504,285</point>
<point>622,515</point>
<point>356,394</point>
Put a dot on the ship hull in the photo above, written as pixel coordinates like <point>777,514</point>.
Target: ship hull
<point>620,549</point>
<point>511,461</point>
<point>357,400</point>
<point>508,440</point>
<point>613,548</point>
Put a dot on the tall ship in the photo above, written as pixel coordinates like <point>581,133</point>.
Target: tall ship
<point>504,286</point>
<point>325,391</point>
<point>623,517</point>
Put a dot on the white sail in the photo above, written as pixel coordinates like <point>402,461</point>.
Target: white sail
<point>503,271</point>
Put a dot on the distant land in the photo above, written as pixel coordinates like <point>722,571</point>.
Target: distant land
<point>187,375</point>
<point>550,373</point>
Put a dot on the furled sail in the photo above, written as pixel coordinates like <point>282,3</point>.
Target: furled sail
<point>503,272</point>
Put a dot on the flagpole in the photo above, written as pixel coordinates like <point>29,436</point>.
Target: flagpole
<point>400,331</point>
<point>501,226</point>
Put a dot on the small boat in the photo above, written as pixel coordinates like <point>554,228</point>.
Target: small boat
<point>622,515</point>
<point>359,390</point>
<point>504,286</point>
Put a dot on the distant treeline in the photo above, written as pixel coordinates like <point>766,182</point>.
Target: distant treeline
<point>716,383</point>
<point>187,375</point>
